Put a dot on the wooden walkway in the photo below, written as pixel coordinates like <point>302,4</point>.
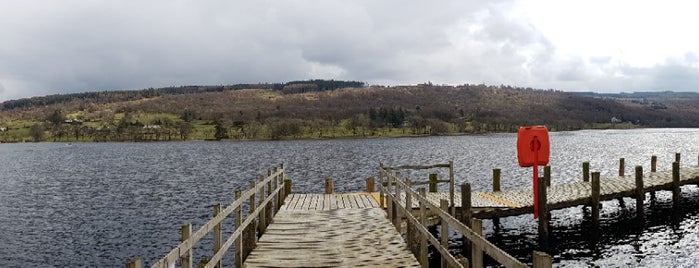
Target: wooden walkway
<point>331,230</point>
<point>520,201</point>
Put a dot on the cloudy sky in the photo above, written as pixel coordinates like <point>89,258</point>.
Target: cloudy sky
<point>49,47</point>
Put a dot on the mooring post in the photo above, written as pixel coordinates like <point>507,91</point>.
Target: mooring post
<point>188,259</point>
<point>586,171</point>
<point>677,157</point>
<point>653,168</point>
<point>218,234</point>
<point>676,183</point>
<point>496,179</point>
<point>433,182</point>
<point>543,214</point>
<point>496,188</point>
<point>203,262</point>
<point>547,175</point>
<point>444,231</point>
<point>329,186</point>
<point>639,191</point>
<point>287,188</point>
<point>370,185</point>
<point>466,214</point>
<point>476,250</point>
<point>594,198</point>
<point>238,241</point>
<point>541,260</point>
<point>424,261</point>
<point>621,167</point>
<point>136,263</point>
<point>466,204</point>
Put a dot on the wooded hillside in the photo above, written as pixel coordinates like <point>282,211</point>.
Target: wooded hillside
<point>327,109</point>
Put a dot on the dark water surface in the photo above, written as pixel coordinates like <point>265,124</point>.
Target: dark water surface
<point>99,204</point>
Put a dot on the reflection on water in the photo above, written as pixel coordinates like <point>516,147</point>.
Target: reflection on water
<point>100,204</point>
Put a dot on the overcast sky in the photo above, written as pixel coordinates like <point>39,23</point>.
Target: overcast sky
<point>49,47</point>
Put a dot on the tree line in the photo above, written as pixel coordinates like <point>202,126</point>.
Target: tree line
<point>271,113</point>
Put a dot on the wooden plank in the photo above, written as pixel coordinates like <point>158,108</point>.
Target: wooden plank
<point>564,195</point>
<point>331,238</point>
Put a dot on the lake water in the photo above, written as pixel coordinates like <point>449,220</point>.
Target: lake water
<point>99,204</point>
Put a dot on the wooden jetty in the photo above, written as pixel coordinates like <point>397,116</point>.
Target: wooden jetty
<point>590,191</point>
<point>331,230</point>
<point>282,229</point>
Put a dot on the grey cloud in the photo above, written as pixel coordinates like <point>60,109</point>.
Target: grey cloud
<point>72,46</point>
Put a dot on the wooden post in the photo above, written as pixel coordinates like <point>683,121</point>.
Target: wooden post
<point>476,250</point>
<point>250,236</point>
<point>677,157</point>
<point>466,214</point>
<point>389,200</point>
<point>444,231</point>
<point>203,262</point>
<point>496,180</point>
<point>639,191</point>
<point>653,168</point>
<point>270,206</point>
<point>543,214</point>
<point>676,194</point>
<point>370,185</point>
<point>409,230</point>
<point>277,199</point>
<point>382,196</point>
<point>287,188</point>
<point>541,260</point>
<point>433,182</point>
<point>496,188</point>
<point>463,261</point>
<point>586,171</point>
<point>594,198</point>
<point>466,204</point>
<point>218,234</point>
<point>136,263</point>
<point>188,258</point>
<point>451,189</point>
<point>238,241</point>
<point>329,186</point>
<point>621,167</point>
<point>397,212</point>
<point>424,262</point>
<point>262,226</point>
<point>547,175</point>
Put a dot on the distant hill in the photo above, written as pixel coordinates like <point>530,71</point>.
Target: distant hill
<point>328,108</point>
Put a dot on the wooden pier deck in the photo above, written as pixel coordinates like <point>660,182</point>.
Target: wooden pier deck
<point>331,230</point>
<point>520,201</point>
<point>283,229</point>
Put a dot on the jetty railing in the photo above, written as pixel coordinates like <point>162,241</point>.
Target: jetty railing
<point>391,186</point>
<point>432,182</point>
<point>270,191</point>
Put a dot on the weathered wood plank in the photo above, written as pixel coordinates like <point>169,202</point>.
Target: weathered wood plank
<point>346,237</point>
<point>520,201</point>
